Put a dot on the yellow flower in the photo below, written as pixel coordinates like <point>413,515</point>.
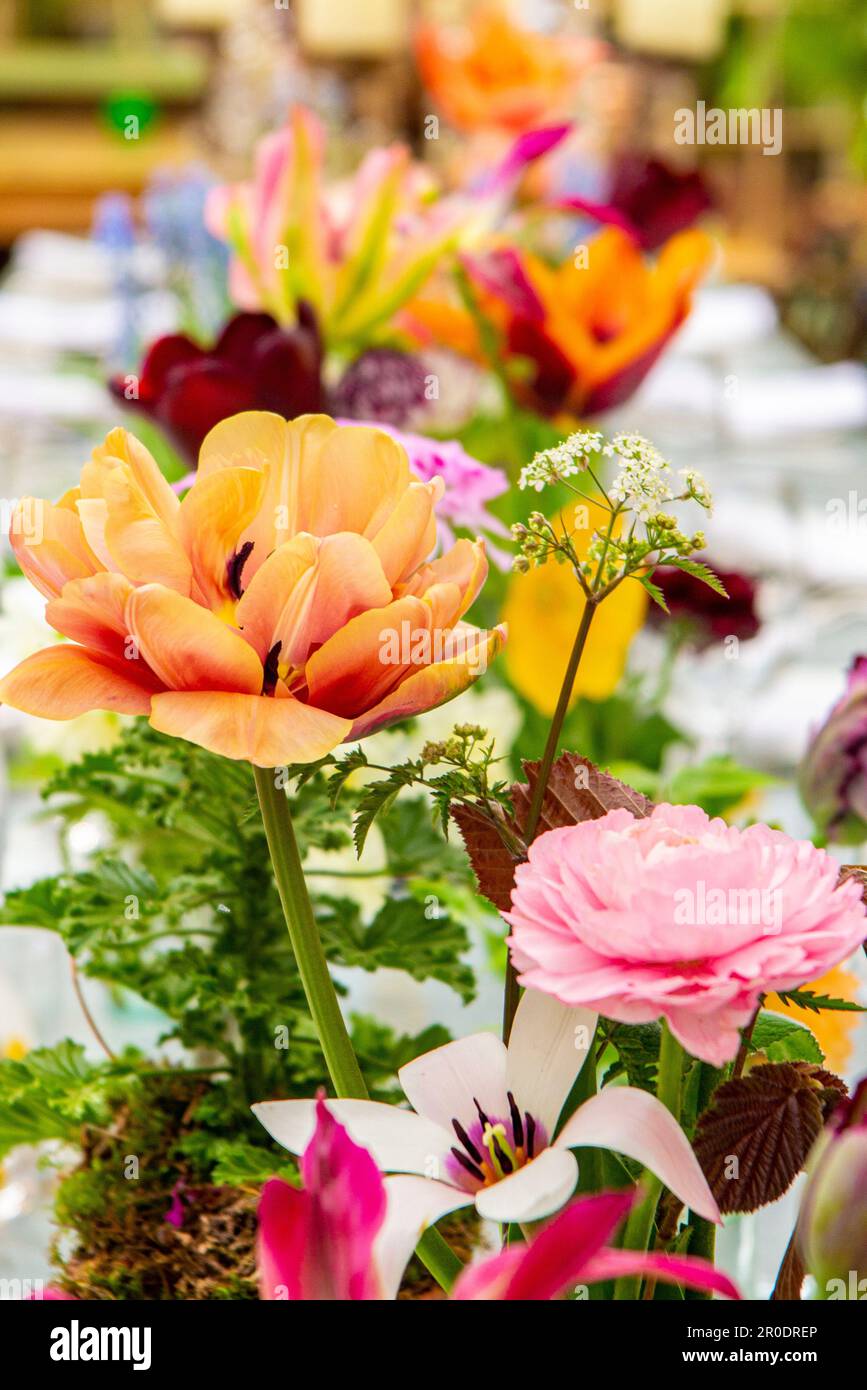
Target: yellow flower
<point>543,610</point>
<point>832,1030</point>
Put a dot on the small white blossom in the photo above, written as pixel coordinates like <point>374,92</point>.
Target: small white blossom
<point>562,461</point>
<point>645,481</point>
<point>697,488</point>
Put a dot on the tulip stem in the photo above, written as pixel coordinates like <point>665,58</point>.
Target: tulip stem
<point>346,1077</point>
<point>512,990</point>
<point>639,1227</point>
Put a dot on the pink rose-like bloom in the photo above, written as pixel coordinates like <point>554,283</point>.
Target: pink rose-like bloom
<point>681,917</point>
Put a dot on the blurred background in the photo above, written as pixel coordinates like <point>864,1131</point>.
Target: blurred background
<point>116,120</point>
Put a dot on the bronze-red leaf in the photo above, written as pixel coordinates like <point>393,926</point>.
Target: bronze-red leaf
<point>754,1138</point>
<point>577,791</point>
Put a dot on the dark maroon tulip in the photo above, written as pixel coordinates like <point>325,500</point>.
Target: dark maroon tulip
<point>711,618</point>
<point>656,200</point>
<point>253,365</point>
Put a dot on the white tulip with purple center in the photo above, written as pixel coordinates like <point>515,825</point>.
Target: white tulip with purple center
<point>483,1127</point>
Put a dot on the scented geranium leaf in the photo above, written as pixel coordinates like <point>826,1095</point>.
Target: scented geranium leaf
<point>492,860</point>
<point>406,934</point>
<point>753,1140</point>
<point>783,1040</point>
<point>414,846</point>
<point>239,1164</point>
<point>382,1052</point>
<point>50,1093</point>
<point>577,791</point>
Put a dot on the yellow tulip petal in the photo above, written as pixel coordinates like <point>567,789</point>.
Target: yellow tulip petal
<point>252,728</point>
<point>142,545</point>
<point>543,610</point>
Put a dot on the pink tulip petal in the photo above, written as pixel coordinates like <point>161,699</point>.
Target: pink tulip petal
<point>687,1270</point>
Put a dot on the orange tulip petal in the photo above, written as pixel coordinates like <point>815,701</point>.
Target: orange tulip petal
<point>64,681</point>
<point>253,728</point>
<point>434,685</point>
<point>465,565</point>
<point>143,547</point>
<point>308,589</point>
<point>213,516</point>
<point>49,545</point>
<point>352,482</point>
<point>368,656</point>
<point>187,646</point>
<point>93,612</point>
<point>409,533</point>
<point>121,447</point>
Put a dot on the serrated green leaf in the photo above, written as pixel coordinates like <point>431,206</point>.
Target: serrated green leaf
<point>784,1040</point>
<point>699,571</point>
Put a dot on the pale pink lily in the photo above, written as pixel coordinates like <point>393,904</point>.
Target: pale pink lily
<point>347,1235</point>
<point>485,1119</point>
<point>571,1252</point>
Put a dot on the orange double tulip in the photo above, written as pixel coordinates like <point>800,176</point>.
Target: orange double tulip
<point>285,605</point>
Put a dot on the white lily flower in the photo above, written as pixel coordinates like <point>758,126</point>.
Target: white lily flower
<point>485,1115</point>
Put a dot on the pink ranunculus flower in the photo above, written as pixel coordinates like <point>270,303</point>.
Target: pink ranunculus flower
<point>680,917</point>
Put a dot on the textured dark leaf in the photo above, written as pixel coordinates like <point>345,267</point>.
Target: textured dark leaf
<point>577,791</point>
<point>792,1274</point>
<point>767,1120</point>
<point>493,863</point>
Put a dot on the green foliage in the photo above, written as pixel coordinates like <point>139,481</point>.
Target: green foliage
<point>717,784</point>
<point>180,908</point>
<point>51,1093</point>
<point>809,999</point>
<point>784,1040</point>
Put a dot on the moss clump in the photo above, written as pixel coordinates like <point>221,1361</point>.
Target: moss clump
<point>112,1208</point>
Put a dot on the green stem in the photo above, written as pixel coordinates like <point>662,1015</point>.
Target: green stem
<point>343,1068</point>
<point>639,1227</point>
<point>512,991</point>
<point>319,989</point>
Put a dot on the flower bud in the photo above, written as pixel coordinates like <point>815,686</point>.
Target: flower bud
<point>833,774</point>
<point>832,1229</point>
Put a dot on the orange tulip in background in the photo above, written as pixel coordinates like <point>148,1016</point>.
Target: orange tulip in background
<point>490,74</point>
<point>252,616</point>
<point>588,330</point>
